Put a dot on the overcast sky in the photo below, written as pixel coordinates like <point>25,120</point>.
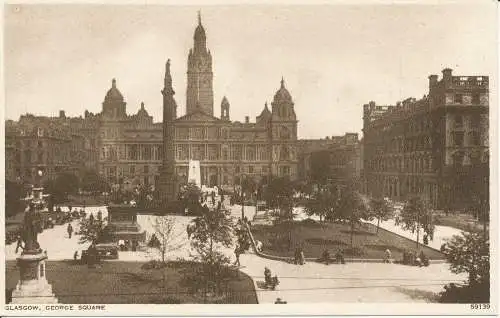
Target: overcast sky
<point>333,58</point>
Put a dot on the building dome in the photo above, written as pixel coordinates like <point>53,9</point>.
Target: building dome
<point>113,94</point>
<point>282,95</point>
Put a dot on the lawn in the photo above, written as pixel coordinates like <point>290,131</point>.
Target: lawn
<point>315,237</point>
<point>461,221</point>
<point>128,283</point>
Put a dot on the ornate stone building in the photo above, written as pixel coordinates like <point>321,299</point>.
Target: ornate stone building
<point>129,149</point>
<point>436,146</point>
<point>50,144</point>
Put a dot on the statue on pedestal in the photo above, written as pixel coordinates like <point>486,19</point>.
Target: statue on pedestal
<point>31,228</point>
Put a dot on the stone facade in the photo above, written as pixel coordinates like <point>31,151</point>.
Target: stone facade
<point>342,154</point>
<point>129,149</point>
<point>50,144</point>
<point>426,146</point>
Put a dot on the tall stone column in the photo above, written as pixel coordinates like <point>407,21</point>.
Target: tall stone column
<point>168,186</point>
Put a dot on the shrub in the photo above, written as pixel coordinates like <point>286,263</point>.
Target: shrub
<point>479,293</point>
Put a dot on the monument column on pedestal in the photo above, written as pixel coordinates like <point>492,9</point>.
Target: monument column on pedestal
<point>168,186</point>
<point>33,287</point>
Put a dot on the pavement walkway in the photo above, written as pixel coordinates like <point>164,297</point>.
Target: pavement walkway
<point>309,283</point>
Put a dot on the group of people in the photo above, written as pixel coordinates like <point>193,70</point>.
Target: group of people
<point>414,259</point>
<point>326,257</point>
<point>299,258</point>
<point>269,280</point>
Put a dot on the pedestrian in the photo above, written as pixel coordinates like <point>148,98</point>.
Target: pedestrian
<point>302,258</point>
<point>70,230</point>
<point>75,256</point>
<point>426,239</point>
<point>388,256</point>
<point>19,243</point>
<point>258,246</point>
<point>326,256</point>
<point>237,252</point>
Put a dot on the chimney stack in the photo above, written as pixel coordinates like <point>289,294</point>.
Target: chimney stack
<point>62,114</point>
<point>247,119</point>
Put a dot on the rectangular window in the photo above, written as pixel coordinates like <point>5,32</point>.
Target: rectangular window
<point>476,121</point>
<point>132,170</point>
<point>250,169</point>
<point>458,138</point>
<point>475,138</point>
<point>476,99</point>
<point>458,98</point>
<point>146,169</point>
<point>237,169</point>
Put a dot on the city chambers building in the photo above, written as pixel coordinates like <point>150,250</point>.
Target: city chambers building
<point>128,149</point>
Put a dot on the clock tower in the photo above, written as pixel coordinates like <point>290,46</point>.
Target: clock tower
<point>199,91</point>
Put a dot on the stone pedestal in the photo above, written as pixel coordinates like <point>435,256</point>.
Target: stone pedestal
<point>123,224</point>
<point>33,287</point>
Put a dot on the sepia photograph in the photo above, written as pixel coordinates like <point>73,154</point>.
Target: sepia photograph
<point>333,154</point>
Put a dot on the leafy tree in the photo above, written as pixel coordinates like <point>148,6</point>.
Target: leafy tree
<point>93,182</point>
<point>93,230</point>
<point>353,208</point>
<point>64,184</point>
<point>416,215</point>
<point>381,209</point>
<point>279,194</point>
<point>322,203</point>
<point>320,166</point>
<point>190,197</point>
<point>468,253</point>
<point>209,233</point>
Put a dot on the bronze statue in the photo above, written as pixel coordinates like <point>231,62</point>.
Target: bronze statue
<point>30,230</point>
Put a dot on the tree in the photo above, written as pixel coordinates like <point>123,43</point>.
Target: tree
<point>279,194</point>
<point>93,182</point>
<point>381,209</point>
<point>190,197</point>
<point>209,233</point>
<point>322,203</point>
<point>93,230</point>
<point>168,237</point>
<point>64,184</point>
<point>468,253</point>
<point>320,166</point>
<point>353,208</point>
<point>416,215</point>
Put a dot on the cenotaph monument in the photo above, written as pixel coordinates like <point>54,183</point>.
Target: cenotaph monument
<point>194,175</point>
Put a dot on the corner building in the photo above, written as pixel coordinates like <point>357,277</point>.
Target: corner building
<point>436,147</point>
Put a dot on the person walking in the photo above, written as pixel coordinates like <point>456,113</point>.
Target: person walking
<point>237,253</point>
<point>70,230</point>
<point>19,243</point>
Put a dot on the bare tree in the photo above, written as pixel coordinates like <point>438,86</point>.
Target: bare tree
<point>169,238</point>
